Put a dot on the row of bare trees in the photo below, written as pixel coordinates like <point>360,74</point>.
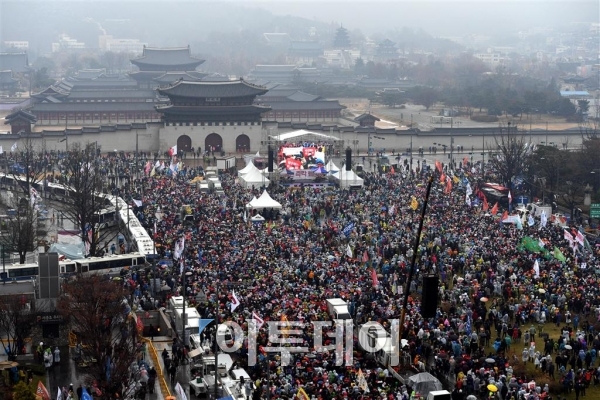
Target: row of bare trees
<point>96,309</point>
<point>29,171</point>
<point>556,171</point>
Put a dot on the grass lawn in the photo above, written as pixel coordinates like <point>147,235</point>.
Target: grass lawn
<point>593,392</point>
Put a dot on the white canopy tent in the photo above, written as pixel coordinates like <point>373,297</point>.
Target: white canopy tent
<point>304,133</point>
<point>249,167</point>
<point>254,177</point>
<point>348,178</point>
<point>249,157</point>
<point>331,167</point>
<point>251,202</point>
<point>264,201</point>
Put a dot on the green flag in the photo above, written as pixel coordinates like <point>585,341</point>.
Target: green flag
<point>559,255</point>
<point>531,244</point>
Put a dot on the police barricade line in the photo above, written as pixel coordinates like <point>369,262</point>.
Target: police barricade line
<point>164,388</point>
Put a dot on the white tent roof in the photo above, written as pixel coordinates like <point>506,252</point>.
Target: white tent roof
<point>331,166</point>
<point>303,132</point>
<point>348,178</point>
<point>249,167</point>
<point>264,201</point>
<point>254,177</point>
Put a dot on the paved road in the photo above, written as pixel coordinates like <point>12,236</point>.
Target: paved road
<point>67,373</point>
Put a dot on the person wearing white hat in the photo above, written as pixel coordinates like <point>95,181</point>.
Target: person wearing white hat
<point>40,352</point>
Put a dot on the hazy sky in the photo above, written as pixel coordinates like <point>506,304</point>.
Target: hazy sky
<point>172,19</point>
<point>440,17</point>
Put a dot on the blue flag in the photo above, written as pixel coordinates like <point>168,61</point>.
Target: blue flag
<point>85,395</point>
<point>348,229</point>
<point>203,323</point>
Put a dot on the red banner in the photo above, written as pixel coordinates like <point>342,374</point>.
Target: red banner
<point>292,163</point>
<point>309,151</point>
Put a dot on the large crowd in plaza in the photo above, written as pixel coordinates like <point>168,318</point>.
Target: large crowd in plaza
<point>497,297</point>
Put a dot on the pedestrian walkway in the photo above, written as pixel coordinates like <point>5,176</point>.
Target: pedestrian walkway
<point>153,360</point>
<point>183,371</point>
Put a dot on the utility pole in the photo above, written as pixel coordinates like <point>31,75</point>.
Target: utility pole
<point>483,154</point>
<point>136,152</point>
<point>411,144</point>
<point>184,315</point>
<point>451,143</point>
<point>216,337</point>
<point>3,264</point>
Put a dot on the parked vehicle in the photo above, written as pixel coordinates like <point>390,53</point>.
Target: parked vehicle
<point>338,309</point>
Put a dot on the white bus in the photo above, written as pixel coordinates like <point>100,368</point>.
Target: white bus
<point>106,218</point>
<point>111,265</point>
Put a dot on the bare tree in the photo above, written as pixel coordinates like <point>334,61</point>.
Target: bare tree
<point>512,154</point>
<point>17,320</point>
<point>21,230</point>
<point>572,196</point>
<point>83,201</point>
<point>29,168</point>
<point>22,227</point>
<point>106,329</point>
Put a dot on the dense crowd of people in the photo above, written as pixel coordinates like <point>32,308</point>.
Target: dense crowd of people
<point>495,294</point>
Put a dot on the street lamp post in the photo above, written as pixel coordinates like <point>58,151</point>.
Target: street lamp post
<point>595,174</point>
<point>216,345</point>
<point>483,155</point>
<point>217,322</point>
<point>451,143</point>
<point>184,321</point>
<point>411,143</point>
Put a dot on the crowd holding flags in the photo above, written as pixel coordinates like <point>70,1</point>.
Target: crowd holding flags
<point>536,268</point>
<point>469,326</point>
<point>575,237</point>
<point>257,320</point>
<point>414,204</point>
<point>374,277</point>
<point>361,381</point>
<point>349,251</point>
<point>543,219</point>
<point>179,247</point>
<point>302,395</point>
<point>448,188</point>
<point>235,302</point>
<point>42,391</point>
<point>495,209</point>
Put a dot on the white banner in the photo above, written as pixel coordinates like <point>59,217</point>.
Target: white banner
<point>180,392</point>
<point>302,174</point>
<point>292,151</point>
